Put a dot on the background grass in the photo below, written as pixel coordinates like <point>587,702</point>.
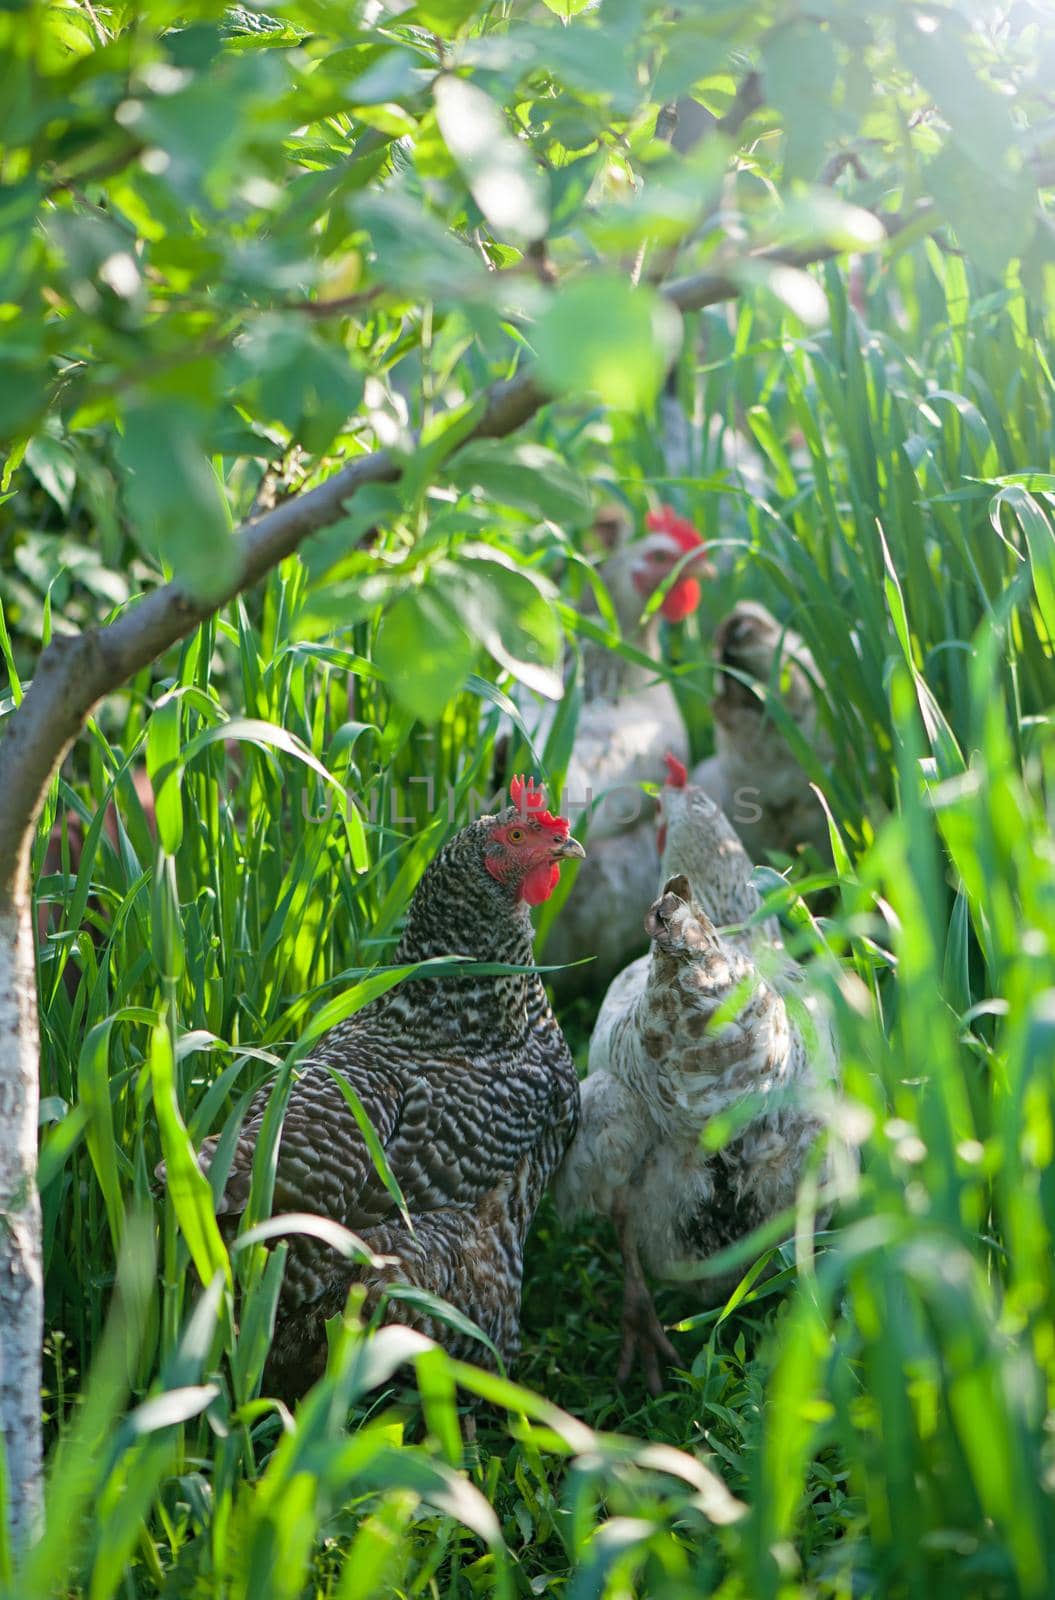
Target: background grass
<point>879,1420</point>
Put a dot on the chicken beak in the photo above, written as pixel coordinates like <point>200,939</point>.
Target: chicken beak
<point>569,849</point>
<point>699,566</point>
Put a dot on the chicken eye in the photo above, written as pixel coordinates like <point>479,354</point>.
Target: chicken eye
<point>515,836</point>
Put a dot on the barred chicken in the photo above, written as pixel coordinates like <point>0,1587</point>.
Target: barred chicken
<point>472,1094</point>
<point>629,718</point>
<point>705,1024</point>
<point>754,776</point>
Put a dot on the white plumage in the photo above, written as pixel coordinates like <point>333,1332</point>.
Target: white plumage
<point>628,722</point>
<point>715,1019</point>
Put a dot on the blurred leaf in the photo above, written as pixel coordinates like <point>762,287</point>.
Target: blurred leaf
<point>526,476</point>
<point>801,294</point>
<point>53,467</point>
<point>677,192</point>
<point>174,502</point>
<point>995,229</point>
<point>499,169</point>
<point>172,1407</point>
<point>163,770</point>
<point>935,44</point>
<point>423,651</point>
<point>293,377</point>
<point>420,256</point>
<point>508,610</point>
<point>444,16</point>
<point>1040,543</point>
<point>600,334</point>
<point>822,217</point>
<point>800,67</point>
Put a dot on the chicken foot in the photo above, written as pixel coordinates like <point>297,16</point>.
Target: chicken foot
<point>643,1334</point>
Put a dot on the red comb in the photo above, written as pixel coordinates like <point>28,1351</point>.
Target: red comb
<point>666,520</point>
<point>530,801</point>
<point>677,777</point>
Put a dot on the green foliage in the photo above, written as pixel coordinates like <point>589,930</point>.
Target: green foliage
<point>234,244</point>
<point>219,230</point>
<point>885,1424</point>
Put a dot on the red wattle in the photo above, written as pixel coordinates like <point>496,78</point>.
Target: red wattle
<point>682,600</point>
<point>540,883</point>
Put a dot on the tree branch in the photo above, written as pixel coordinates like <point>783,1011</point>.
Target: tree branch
<point>704,289</point>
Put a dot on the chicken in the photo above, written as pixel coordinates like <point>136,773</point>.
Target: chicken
<point>661,1068</point>
<point>753,776</point>
<point>472,1094</point>
<point>629,717</point>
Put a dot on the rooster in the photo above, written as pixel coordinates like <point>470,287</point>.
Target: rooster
<point>629,717</point>
<point>703,1025</point>
<point>754,776</point>
<point>472,1095</point>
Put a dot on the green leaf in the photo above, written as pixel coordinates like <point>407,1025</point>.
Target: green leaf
<point>176,506</point>
<point>308,1225</point>
<point>935,45</point>
<point>566,8</point>
<point>993,233</point>
<point>602,335</point>
<point>93,1087</point>
<point>187,1185</point>
<point>372,1142</point>
<point>526,476</point>
<point>499,169</point>
<point>52,465</point>
<point>165,772</point>
<point>822,217</point>
<point>800,67</point>
<point>432,1305</point>
<point>794,288</point>
<point>165,1410</point>
<point>423,652</point>
<point>293,377</point>
<point>442,16</point>
<point>510,612</point>
<point>1040,543</point>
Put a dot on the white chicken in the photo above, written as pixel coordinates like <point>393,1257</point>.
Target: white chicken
<point>629,718</point>
<point>704,1024</point>
<point>753,775</point>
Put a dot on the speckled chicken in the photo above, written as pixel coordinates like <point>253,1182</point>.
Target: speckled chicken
<point>629,718</point>
<point>753,775</point>
<point>661,1068</point>
<point>472,1094</point>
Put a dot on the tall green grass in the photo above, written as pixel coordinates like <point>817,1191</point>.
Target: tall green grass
<point>876,1419</point>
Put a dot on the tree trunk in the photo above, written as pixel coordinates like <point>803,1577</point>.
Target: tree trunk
<point>21,1281</point>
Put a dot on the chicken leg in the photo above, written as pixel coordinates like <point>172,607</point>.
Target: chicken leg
<point>642,1330</point>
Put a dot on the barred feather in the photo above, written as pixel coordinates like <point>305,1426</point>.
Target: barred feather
<point>472,1092</point>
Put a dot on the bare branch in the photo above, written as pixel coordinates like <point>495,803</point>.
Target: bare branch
<point>709,288</point>
<point>748,99</point>
<point>839,163</point>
